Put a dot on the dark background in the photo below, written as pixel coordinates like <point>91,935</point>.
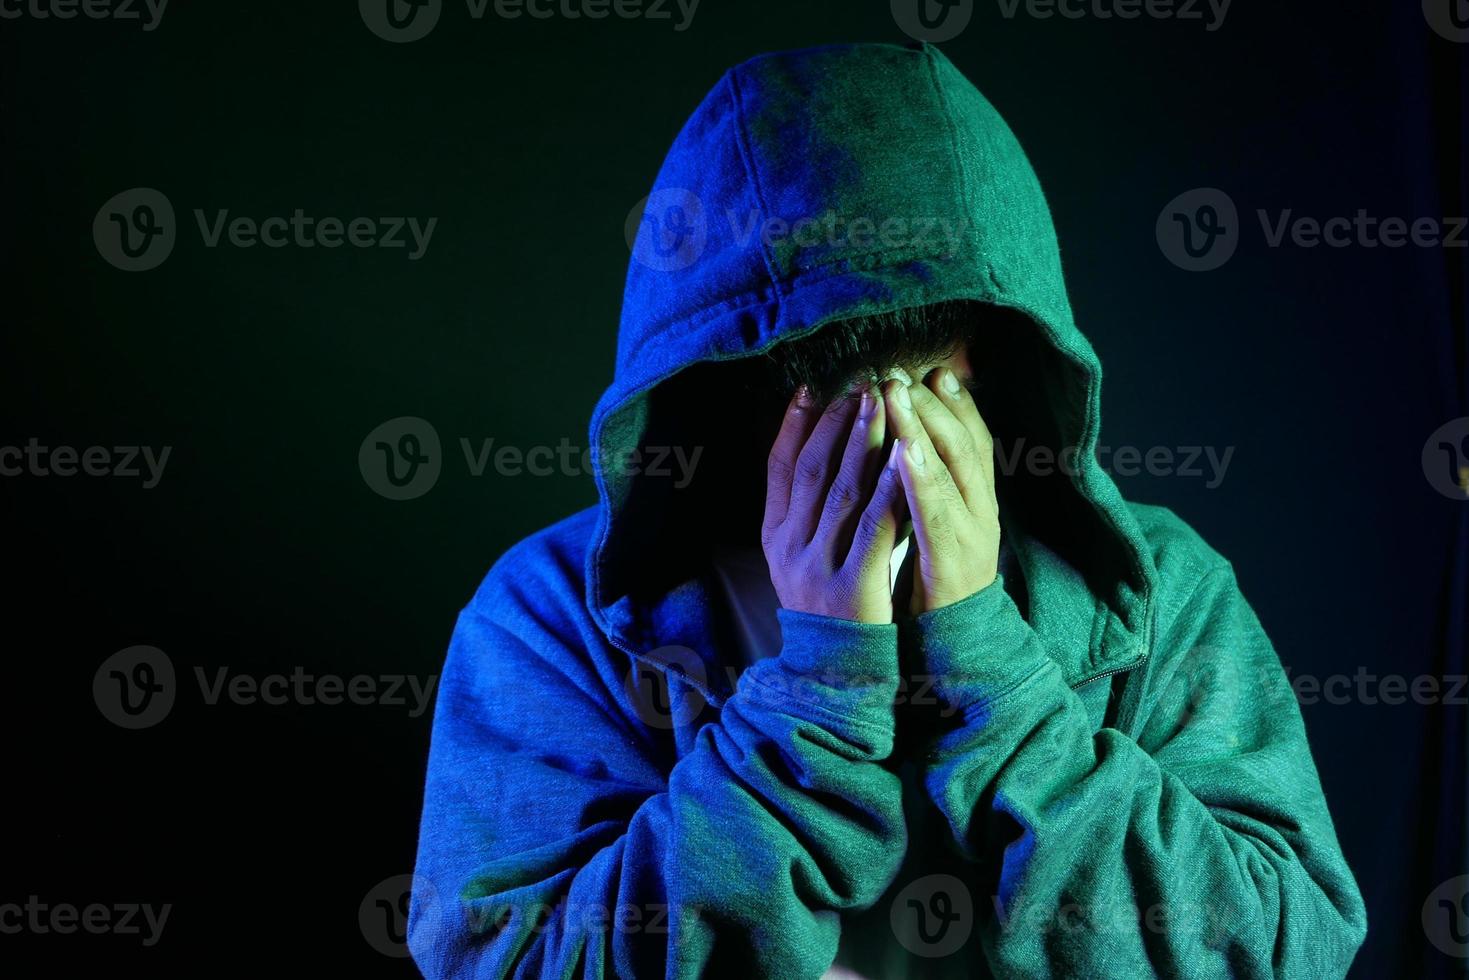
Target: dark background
<point>263,548</point>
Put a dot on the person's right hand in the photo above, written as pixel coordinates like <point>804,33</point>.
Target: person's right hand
<point>832,510</point>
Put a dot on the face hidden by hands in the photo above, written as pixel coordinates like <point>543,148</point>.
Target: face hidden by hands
<point>844,484</point>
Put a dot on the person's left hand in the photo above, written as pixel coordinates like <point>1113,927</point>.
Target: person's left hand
<point>947,462</point>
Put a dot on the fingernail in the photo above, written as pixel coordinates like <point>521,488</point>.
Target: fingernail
<point>869,404</point>
<point>915,453</point>
<point>803,397</point>
<point>905,401</point>
<point>951,383</point>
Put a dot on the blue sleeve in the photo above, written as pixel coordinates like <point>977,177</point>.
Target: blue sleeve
<point>560,837</point>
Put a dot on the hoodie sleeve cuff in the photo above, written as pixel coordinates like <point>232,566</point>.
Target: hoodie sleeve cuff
<point>834,666</point>
<point>976,649</point>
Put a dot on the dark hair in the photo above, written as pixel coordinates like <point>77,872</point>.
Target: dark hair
<point>839,355</point>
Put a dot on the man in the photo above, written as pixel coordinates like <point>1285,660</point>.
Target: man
<point>745,725</point>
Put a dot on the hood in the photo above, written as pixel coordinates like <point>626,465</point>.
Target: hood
<point>813,186</point>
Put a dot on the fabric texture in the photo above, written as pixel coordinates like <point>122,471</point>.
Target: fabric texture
<point>1093,767</point>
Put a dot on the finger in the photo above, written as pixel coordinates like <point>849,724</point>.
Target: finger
<point>800,418</point>
<point>956,444</point>
<point>877,528</point>
<point>934,509</point>
<point>850,488</point>
<point>815,467</point>
<point>957,398</point>
<point>904,423</point>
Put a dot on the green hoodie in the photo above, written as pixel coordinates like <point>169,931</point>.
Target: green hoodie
<point>1093,767</point>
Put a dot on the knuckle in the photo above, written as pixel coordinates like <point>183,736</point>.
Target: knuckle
<point>810,469</point>
<point>939,529</point>
<point>844,494</point>
<point>871,526</point>
<point>946,485</point>
<point>963,448</point>
<point>787,557</point>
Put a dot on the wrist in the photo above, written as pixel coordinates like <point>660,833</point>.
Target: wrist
<point>972,650</point>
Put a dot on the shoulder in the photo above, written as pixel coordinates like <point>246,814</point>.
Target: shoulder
<point>1187,565</point>
<point>1176,547</point>
<point>543,573</point>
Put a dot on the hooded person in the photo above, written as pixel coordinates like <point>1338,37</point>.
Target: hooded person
<point>642,765</point>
